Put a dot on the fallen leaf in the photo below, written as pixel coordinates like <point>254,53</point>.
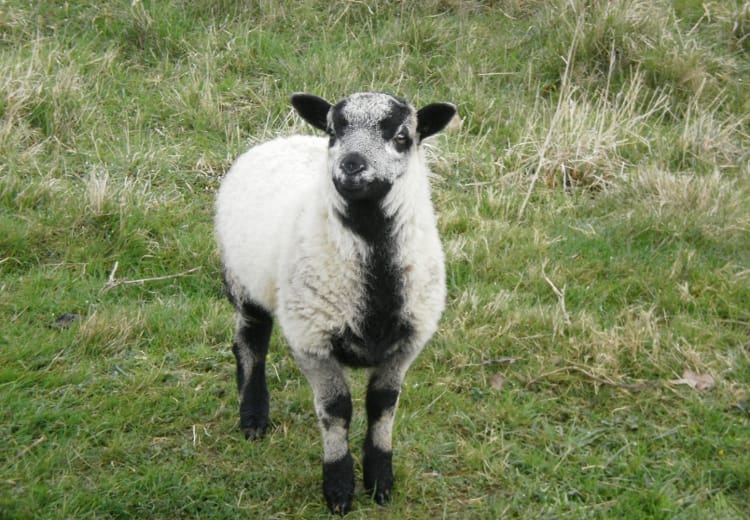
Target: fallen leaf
<point>700,382</point>
<point>497,381</point>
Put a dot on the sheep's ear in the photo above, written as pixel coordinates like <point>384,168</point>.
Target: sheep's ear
<point>433,118</point>
<point>313,109</point>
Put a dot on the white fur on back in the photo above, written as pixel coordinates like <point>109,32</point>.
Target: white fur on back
<point>258,199</point>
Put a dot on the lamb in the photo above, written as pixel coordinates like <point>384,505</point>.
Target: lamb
<point>337,239</point>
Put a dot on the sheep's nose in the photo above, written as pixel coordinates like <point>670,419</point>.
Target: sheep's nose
<point>353,163</point>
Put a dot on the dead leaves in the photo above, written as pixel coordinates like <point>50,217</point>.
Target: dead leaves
<point>696,381</point>
<point>699,382</point>
<point>497,381</point>
<point>597,380</point>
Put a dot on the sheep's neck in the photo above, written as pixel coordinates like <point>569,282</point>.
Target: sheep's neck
<point>383,326</point>
<point>366,219</point>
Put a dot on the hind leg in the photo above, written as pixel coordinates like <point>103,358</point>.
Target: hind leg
<point>251,338</point>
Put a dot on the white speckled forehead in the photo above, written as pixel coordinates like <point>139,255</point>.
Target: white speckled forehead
<point>371,108</point>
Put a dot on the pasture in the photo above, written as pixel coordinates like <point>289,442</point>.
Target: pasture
<point>593,203</point>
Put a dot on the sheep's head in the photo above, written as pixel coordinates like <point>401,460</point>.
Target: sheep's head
<point>372,138</point>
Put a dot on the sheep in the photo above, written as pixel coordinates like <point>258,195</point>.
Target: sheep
<point>336,238</point>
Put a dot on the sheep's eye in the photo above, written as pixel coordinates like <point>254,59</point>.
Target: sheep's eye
<point>401,137</point>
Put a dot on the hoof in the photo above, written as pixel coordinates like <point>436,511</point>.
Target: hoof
<point>382,496</point>
<point>254,427</point>
<point>340,509</point>
<point>378,474</point>
<point>254,434</point>
<point>338,485</point>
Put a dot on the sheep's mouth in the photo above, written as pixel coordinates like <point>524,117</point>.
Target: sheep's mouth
<point>353,188</point>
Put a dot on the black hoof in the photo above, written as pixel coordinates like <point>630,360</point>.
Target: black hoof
<point>254,427</point>
<point>340,509</point>
<point>338,485</point>
<point>382,496</point>
<point>378,474</point>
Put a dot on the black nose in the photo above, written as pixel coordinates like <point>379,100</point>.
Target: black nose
<point>353,163</point>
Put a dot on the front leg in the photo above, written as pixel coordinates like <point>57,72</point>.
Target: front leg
<point>382,400</point>
<point>333,406</point>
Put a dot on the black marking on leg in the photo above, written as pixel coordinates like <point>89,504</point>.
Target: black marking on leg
<point>340,407</point>
<point>378,471</point>
<point>379,400</point>
<point>254,403</point>
<point>338,484</point>
<point>253,336</point>
<point>259,323</point>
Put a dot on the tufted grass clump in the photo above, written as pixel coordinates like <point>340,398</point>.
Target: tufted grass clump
<point>593,358</point>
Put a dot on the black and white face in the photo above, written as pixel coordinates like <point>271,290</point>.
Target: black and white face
<point>371,138</point>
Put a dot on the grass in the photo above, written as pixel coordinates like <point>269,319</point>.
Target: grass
<point>593,208</point>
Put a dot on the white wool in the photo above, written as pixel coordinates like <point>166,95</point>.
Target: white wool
<point>258,201</point>
<point>283,247</point>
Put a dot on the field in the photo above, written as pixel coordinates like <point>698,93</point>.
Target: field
<point>594,206</point>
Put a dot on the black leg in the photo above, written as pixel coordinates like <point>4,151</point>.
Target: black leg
<point>252,335</point>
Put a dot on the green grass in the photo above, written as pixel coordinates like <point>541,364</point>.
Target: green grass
<point>593,206</point>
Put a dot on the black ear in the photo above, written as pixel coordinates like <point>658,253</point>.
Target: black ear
<point>313,109</point>
<point>433,118</point>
